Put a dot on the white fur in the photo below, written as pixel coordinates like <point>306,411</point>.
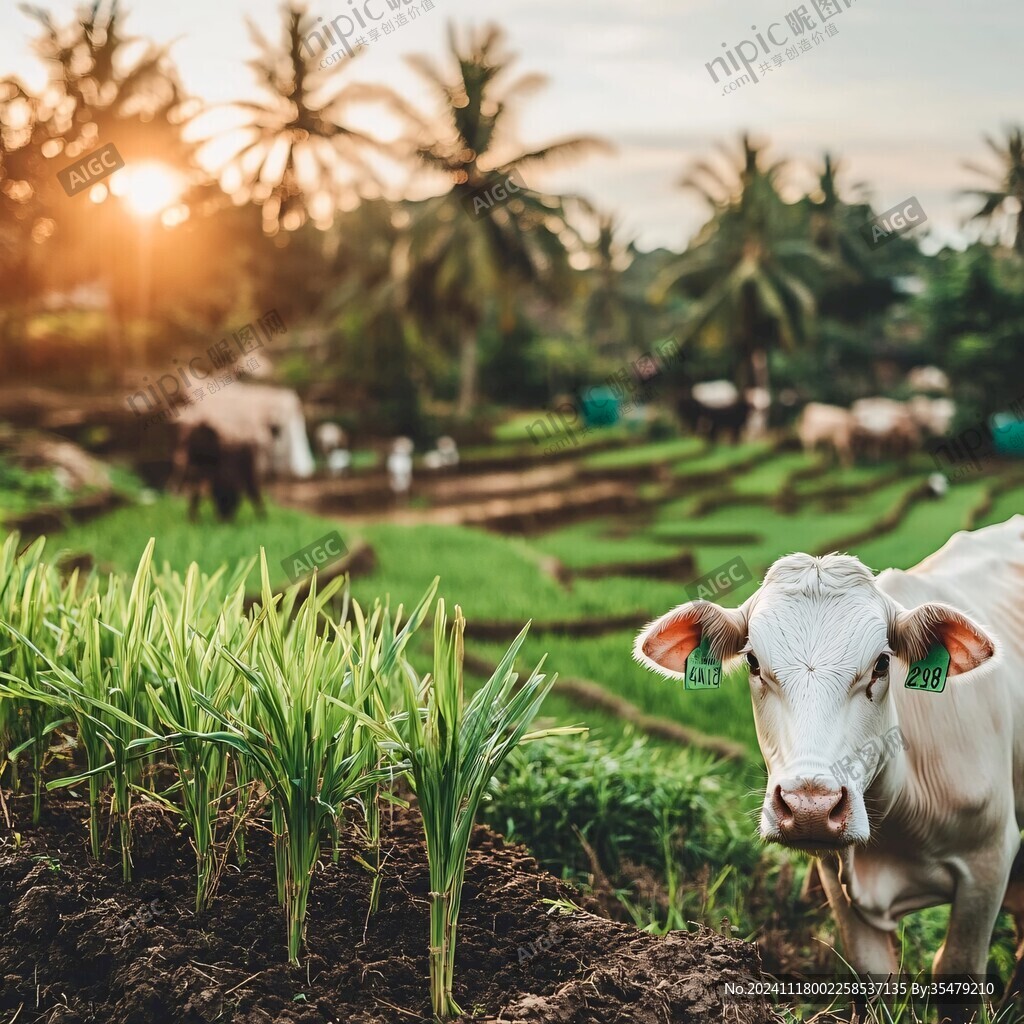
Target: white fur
<point>938,823</point>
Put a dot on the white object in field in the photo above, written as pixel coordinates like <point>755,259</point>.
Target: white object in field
<point>433,460</point>
<point>448,450</point>
<point>716,394</point>
<point>328,437</point>
<point>399,465</point>
<point>760,399</point>
<point>927,378</point>
<point>269,417</point>
<point>938,484</point>
<point>338,461</point>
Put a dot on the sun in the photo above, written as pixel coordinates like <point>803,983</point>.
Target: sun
<point>148,188</point>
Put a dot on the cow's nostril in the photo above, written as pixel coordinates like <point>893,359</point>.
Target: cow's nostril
<point>840,809</point>
<point>780,808</point>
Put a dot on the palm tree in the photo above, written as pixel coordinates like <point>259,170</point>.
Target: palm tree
<point>88,57</point>
<point>753,265</point>
<point>612,315</point>
<point>94,95</point>
<point>834,221</point>
<point>457,269</point>
<point>293,154</point>
<point>1006,194</point>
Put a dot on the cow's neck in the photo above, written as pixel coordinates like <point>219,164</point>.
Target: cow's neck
<point>883,795</point>
<point>885,798</point>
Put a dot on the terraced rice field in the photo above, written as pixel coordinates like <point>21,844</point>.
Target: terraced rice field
<point>694,503</point>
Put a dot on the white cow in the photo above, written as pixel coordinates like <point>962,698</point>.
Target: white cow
<point>933,415</point>
<point>884,428</point>
<point>929,379</point>
<point>268,418</point>
<point>827,426</point>
<point>828,647</point>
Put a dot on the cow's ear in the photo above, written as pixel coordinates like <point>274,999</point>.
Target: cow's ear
<point>915,632</point>
<point>666,643</point>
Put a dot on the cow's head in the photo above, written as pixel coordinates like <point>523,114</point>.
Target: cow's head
<point>825,649</point>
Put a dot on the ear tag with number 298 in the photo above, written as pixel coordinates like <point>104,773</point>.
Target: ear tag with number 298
<point>703,669</point>
<point>930,672</point>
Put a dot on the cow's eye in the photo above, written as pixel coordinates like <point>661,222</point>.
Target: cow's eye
<point>881,665</point>
<point>754,664</point>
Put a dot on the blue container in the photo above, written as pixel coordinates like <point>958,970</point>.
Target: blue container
<point>1008,434</point>
<point>600,407</point>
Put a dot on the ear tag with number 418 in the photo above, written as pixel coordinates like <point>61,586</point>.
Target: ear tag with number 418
<point>703,669</point>
<point>930,672</point>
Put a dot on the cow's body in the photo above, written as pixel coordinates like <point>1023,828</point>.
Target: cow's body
<point>884,428</point>
<point>955,797</point>
<point>269,419</point>
<point>226,471</point>
<point>827,426</point>
<point>713,409</point>
<point>829,647</point>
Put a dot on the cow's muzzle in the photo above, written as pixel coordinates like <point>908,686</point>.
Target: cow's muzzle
<point>809,815</point>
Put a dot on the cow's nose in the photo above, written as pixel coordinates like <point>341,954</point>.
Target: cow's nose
<point>810,812</point>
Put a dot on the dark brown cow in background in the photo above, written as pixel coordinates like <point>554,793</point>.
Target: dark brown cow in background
<point>206,464</point>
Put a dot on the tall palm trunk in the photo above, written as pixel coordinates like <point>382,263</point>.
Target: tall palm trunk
<point>468,371</point>
<point>756,365</point>
<point>757,425</point>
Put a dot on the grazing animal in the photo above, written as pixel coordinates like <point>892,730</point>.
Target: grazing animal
<point>929,379</point>
<point>714,408</point>
<point>269,418</point>
<point>827,426</point>
<point>829,647</point>
<point>206,463</point>
<point>883,428</point>
<point>934,416</point>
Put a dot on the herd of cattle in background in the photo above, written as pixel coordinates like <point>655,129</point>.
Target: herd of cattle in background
<point>255,432</point>
<point>872,428</point>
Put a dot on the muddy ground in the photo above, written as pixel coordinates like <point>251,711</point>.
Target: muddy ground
<point>77,946</point>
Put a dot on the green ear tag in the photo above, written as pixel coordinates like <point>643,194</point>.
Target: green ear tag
<point>930,672</point>
<point>703,669</point>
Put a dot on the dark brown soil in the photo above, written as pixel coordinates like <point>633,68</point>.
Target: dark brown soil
<point>78,947</point>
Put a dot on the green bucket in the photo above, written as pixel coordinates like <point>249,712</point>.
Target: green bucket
<point>600,407</point>
<point>1008,434</point>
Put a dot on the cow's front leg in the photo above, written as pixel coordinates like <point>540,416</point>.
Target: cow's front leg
<point>981,884</point>
<point>868,949</point>
<point>980,887</point>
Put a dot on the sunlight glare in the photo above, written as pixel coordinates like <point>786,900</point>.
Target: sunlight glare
<point>150,188</point>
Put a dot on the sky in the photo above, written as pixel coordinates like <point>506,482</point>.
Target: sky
<point>901,92</point>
